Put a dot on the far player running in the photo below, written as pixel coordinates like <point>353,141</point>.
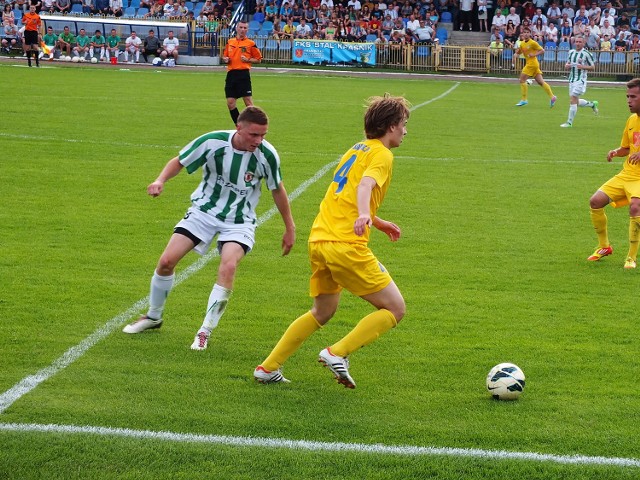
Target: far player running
<point>624,188</point>
<point>579,62</point>
<point>531,49</point>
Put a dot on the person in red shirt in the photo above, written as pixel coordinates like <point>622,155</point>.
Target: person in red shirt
<point>32,23</point>
<point>239,54</point>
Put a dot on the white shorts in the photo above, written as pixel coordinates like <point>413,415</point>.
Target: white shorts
<point>577,88</point>
<point>205,227</point>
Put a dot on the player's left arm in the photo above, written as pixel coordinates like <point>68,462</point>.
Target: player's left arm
<point>363,195</point>
<point>389,228</point>
<point>281,200</point>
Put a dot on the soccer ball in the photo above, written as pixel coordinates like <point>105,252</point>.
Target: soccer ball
<point>529,81</point>
<point>157,61</point>
<point>505,381</point>
<point>67,58</point>
<point>94,60</point>
<point>75,59</point>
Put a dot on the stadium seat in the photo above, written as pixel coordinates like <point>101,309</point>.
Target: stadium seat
<point>564,46</point>
<point>17,14</point>
<point>423,51</point>
<point>372,37</point>
<point>549,55</point>
<point>285,44</point>
<point>604,57</point>
<point>254,26</point>
<point>550,45</point>
<point>446,17</point>
<point>563,56</point>
<point>442,35</point>
<point>260,42</point>
<point>130,12</point>
<point>619,58</point>
<point>76,8</point>
<point>271,44</point>
<point>263,33</point>
<point>189,5</point>
<point>258,17</point>
<point>135,4</point>
<point>142,11</point>
<point>507,54</point>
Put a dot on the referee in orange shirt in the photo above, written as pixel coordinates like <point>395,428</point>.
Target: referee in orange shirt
<point>31,22</point>
<point>239,54</point>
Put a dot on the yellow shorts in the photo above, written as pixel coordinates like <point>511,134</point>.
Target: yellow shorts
<point>338,265</point>
<point>621,188</point>
<point>531,70</point>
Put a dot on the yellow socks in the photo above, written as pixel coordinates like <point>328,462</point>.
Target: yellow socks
<point>634,236</point>
<point>547,89</point>
<point>599,221</point>
<point>301,329</point>
<point>524,90</point>
<point>365,332</point>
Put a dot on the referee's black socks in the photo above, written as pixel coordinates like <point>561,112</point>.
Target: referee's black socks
<point>234,115</point>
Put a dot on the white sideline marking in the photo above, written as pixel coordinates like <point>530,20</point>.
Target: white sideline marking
<point>378,449</point>
<point>30,382</point>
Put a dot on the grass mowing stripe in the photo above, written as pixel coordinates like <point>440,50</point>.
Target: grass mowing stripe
<point>377,449</point>
<point>30,382</point>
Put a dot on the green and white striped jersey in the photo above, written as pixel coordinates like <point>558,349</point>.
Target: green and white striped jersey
<point>230,186</point>
<point>583,57</point>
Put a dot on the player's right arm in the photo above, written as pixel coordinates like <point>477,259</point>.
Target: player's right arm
<point>618,152</point>
<point>170,170</point>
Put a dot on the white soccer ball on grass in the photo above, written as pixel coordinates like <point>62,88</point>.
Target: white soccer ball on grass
<point>94,60</point>
<point>75,59</point>
<point>505,381</point>
<point>530,81</point>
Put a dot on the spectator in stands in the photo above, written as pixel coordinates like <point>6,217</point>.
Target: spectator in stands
<point>568,10</point>
<point>183,11</point>
<point>7,13</point>
<point>581,15</point>
<point>387,25</point>
<point>551,33</point>
<point>499,21</point>
<point>297,12</point>
<point>207,8</point>
<point>211,26</point>
<point>511,34</point>
<point>465,14</point>
<point>10,38</point>
<point>271,11</point>
<point>554,14</point>
<point>412,25</point>
<point>537,31</point>
<point>592,37</point>
<point>98,42</point>
<point>220,9</point>
<point>483,15</point>
<point>529,10</point>
<point>132,45</point>
<point>151,46</point>
<point>330,31</point>
<point>48,6</point>
<point>342,33</point>
<point>612,11</point>
<point>620,44</point>
<point>201,19</point>
<point>309,14</point>
<point>285,10</point>
<point>424,33</point>
<point>112,44</point>
<point>496,47</point>
<point>63,6</point>
<point>170,47</point>
<point>357,33</point>
<point>50,40</point>
<point>83,43</point>
<point>374,26</point>
<point>566,31</point>
<point>624,34</point>
<point>357,6</point>
<point>606,17</point>
<point>115,8</point>
<point>156,11</point>
<point>634,45</point>
<point>239,54</point>
<point>432,17</point>
<point>101,7</point>
<point>513,17</point>
<point>289,30</point>
<point>607,29</point>
<point>541,16</point>
<point>87,6</point>
<point>66,41</point>
<point>565,18</point>
<point>303,30</point>
<point>495,34</point>
<point>167,9</point>
<point>623,20</point>
<point>594,12</point>
<point>605,44</point>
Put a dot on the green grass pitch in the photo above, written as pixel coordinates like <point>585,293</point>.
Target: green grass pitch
<point>493,205</point>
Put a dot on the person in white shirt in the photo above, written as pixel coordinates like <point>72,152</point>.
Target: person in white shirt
<point>499,21</point>
<point>594,12</point>
<point>328,3</point>
<point>466,14</point>
<point>170,47</point>
<point>115,7</point>
<point>551,33</point>
<point>607,29</point>
<point>606,17</point>
<point>424,33</point>
<point>303,30</point>
<point>412,25</point>
<point>513,16</point>
<point>569,10</point>
<point>132,46</point>
<point>553,13</point>
<point>357,6</point>
<point>539,14</point>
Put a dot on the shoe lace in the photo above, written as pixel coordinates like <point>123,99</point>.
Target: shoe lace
<point>202,339</point>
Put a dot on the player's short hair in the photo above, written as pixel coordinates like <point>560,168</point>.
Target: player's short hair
<point>526,30</point>
<point>384,112</point>
<point>253,115</point>
<point>635,83</point>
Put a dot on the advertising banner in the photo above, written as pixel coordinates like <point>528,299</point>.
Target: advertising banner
<point>318,52</point>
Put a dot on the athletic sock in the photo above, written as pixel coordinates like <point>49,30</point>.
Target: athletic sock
<point>599,221</point>
<point>366,331</point>
<point>634,236</point>
<point>524,91</point>
<point>234,115</point>
<point>301,329</point>
<point>572,113</point>
<point>160,288</point>
<point>215,308</point>
<point>547,89</point>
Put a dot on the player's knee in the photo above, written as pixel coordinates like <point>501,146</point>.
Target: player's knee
<point>166,265</point>
<point>634,207</point>
<point>323,314</point>
<point>398,311</point>
<point>596,201</point>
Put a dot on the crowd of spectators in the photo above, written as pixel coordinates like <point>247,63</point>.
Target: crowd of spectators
<point>604,25</point>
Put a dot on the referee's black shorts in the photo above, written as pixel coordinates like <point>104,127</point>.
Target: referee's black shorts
<point>238,84</point>
<point>30,37</point>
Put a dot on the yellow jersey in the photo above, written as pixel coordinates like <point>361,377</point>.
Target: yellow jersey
<point>339,208</point>
<point>631,140</point>
<point>528,47</point>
